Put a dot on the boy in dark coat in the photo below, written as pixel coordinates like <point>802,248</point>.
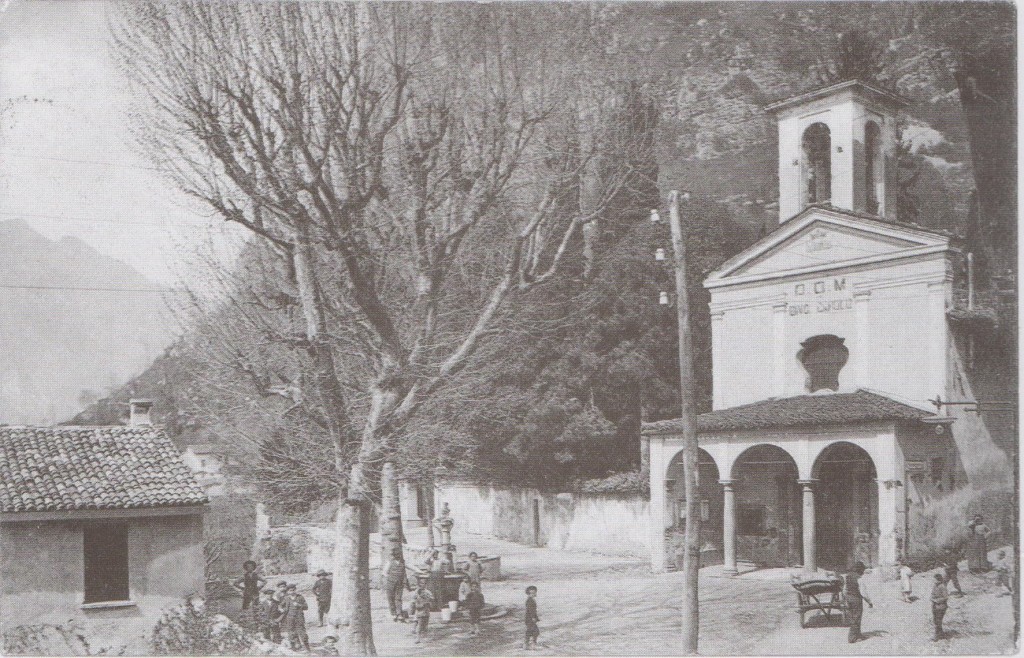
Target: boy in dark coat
<point>940,602</point>
<point>270,611</point>
<point>249,584</point>
<point>475,604</point>
<point>532,630</point>
<point>855,600</point>
<point>322,592</point>
<point>295,619</point>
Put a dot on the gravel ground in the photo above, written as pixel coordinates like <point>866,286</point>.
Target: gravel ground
<point>603,605</point>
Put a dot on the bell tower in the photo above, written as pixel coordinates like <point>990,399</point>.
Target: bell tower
<point>837,145</point>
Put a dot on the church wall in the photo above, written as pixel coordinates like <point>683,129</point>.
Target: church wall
<point>892,319</point>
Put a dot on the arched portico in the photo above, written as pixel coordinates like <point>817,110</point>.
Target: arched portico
<point>710,506</point>
<point>846,494</point>
<point>765,508</point>
<point>787,495</point>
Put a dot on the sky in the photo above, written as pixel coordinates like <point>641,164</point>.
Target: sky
<point>68,165</point>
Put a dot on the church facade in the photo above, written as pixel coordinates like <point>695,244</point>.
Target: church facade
<point>829,341</point>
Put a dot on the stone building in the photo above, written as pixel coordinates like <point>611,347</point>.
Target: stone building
<point>100,525</point>
<point>829,339</point>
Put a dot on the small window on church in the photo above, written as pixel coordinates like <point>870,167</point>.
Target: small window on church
<point>823,357</point>
<point>872,166</point>
<point>817,170</point>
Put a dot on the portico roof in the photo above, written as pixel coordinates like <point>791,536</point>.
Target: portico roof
<point>801,411</point>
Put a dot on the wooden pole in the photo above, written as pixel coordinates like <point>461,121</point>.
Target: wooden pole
<point>691,556</point>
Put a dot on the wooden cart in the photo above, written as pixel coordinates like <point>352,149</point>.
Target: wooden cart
<point>820,595</point>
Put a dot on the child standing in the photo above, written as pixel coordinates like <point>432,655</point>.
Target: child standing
<point>906,573</point>
<point>1004,566</point>
<point>269,612</point>
<point>940,601</point>
<point>421,605</point>
<point>295,619</point>
<point>532,630</point>
<point>322,592</point>
<point>249,585</point>
<point>474,569</point>
<point>475,604</point>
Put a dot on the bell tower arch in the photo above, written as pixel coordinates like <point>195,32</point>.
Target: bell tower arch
<point>837,145</point>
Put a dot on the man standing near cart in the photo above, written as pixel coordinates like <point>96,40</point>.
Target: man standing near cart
<point>855,600</point>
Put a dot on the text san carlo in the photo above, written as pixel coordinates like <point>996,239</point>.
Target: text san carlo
<point>823,296</point>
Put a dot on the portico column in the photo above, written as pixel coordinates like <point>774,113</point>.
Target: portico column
<point>729,528</point>
<point>889,492</point>
<point>810,559</point>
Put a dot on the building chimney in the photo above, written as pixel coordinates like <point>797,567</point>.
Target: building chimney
<point>139,414</point>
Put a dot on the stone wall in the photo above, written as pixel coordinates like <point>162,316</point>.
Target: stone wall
<point>602,523</point>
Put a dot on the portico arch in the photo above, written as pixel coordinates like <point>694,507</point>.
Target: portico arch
<point>767,506</point>
<point>847,527</point>
<point>710,505</point>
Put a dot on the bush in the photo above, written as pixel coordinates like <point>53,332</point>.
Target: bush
<point>189,630</point>
<point>940,526</point>
<point>630,482</point>
<point>52,640</point>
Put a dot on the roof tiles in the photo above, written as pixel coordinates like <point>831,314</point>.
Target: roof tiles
<point>800,411</point>
<point>46,469</point>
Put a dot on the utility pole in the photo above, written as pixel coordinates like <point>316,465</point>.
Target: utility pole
<point>691,557</point>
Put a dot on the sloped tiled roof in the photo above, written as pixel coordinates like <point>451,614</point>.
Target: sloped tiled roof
<point>46,469</point>
<point>800,411</point>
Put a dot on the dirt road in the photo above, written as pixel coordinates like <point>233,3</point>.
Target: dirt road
<point>600,605</point>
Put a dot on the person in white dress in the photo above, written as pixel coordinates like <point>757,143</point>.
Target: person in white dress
<point>906,588</point>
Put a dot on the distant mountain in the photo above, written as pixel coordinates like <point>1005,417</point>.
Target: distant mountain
<point>61,349</point>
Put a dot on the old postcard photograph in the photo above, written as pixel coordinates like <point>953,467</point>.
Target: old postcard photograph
<point>508,328</point>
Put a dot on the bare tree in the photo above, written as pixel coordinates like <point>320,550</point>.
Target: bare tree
<point>372,147</point>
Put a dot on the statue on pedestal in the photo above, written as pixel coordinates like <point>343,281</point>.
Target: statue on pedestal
<point>444,524</point>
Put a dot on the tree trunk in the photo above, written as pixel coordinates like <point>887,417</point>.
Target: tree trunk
<point>351,589</point>
<point>390,516</point>
<point>691,556</point>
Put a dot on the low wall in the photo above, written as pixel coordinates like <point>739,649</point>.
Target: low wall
<point>603,523</point>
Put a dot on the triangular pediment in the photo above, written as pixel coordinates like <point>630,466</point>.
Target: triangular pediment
<point>822,239</point>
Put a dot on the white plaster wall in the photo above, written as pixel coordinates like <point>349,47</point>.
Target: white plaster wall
<point>607,524</point>
<point>618,525</point>
<point>209,464</point>
<point>472,508</point>
<point>892,318</point>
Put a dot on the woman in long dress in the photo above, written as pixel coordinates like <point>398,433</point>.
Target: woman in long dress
<point>977,547</point>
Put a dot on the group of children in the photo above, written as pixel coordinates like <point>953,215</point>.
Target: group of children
<point>283,609</point>
<point>471,599</point>
<point>949,577</point>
